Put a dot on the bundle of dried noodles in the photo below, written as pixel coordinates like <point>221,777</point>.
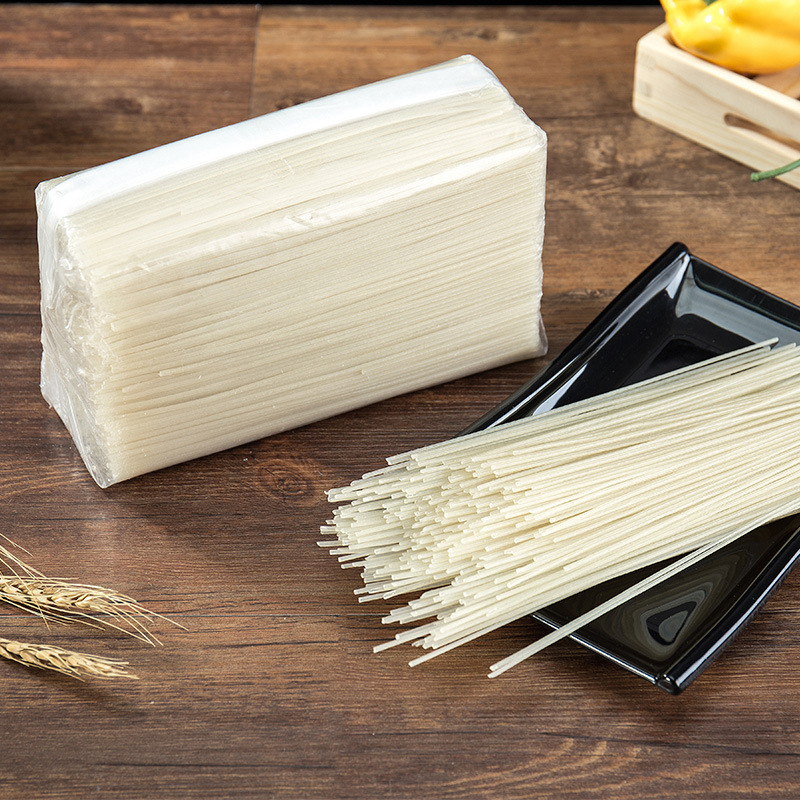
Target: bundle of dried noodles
<point>488,528</point>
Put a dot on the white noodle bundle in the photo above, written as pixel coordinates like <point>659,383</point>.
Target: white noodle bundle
<point>493,526</point>
<point>262,276</point>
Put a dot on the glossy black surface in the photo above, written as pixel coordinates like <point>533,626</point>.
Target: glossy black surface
<point>678,311</point>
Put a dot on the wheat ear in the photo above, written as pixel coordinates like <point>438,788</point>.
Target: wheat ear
<point>68,662</point>
<point>53,599</point>
<point>61,601</point>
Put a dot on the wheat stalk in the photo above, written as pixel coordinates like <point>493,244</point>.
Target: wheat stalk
<point>12,562</point>
<point>68,662</point>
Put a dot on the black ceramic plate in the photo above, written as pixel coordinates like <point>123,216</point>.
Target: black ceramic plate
<point>680,310</point>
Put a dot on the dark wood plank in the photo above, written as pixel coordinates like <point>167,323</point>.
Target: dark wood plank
<point>84,84</point>
<point>273,691</point>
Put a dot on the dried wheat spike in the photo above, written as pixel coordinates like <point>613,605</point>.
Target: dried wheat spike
<point>68,662</point>
<point>60,601</point>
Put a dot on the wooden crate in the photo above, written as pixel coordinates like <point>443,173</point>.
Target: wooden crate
<point>753,121</point>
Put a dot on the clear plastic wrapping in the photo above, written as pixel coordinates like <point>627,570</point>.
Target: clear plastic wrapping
<point>259,277</point>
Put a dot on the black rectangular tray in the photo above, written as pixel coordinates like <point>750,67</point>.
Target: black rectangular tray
<point>680,310</point>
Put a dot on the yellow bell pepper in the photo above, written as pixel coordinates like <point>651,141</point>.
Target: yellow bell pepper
<point>747,36</point>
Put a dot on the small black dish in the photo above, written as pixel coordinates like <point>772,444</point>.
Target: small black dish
<point>680,310</point>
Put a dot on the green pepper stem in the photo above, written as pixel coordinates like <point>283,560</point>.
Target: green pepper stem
<point>773,173</point>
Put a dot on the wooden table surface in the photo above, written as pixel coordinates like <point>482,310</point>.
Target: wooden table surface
<point>273,690</point>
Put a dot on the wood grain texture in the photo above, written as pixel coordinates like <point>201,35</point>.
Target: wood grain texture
<point>273,691</point>
<point>86,84</point>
